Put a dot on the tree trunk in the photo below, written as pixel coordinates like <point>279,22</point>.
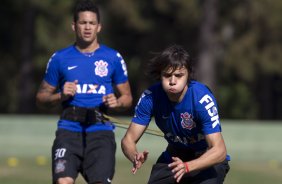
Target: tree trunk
<point>269,97</point>
<point>207,51</point>
<point>26,82</point>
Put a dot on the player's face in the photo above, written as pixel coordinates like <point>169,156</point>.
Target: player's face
<point>175,83</point>
<point>86,27</point>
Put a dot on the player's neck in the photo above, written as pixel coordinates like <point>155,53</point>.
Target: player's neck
<point>87,48</point>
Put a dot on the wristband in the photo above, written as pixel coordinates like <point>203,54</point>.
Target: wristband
<point>186,167</point>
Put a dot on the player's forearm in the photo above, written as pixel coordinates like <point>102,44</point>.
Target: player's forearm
<point>129,149</point>
<point>213,156</point>
<point>125,102</point>
<point>125,98</point>
<point>47,95</point>
<point>45,99</point>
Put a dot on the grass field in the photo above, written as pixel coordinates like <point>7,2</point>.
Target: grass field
<point>25,143</point>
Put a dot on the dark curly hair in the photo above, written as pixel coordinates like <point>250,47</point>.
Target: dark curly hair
<point>85,5</point>
<point>173,57</point>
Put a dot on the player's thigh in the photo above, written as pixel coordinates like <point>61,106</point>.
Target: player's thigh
<point>65,154</point>
<point>220,170</point>
<point>212,175</point>
<point>99,163</point>
<point>161,174</point>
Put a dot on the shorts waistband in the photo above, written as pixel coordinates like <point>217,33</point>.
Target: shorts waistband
<point>186,154</point>
<point>83,115</point>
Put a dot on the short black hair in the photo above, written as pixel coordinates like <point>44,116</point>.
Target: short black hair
<point>174,56</point>
<point>86,5</point>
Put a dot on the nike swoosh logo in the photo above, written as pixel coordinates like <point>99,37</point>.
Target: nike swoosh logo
<point>108,180</point>
<point>71,67</point>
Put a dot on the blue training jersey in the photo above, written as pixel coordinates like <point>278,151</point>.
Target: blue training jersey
<point>96,74</point>
<point>184,124</point>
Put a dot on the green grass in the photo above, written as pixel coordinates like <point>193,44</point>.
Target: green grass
<point>255,149</point>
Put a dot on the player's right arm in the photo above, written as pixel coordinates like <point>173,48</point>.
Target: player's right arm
<point>140,121</point>
<point>47,95</point>
<point>128,145</point>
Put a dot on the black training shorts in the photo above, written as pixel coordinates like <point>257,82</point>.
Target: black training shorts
<point>162,174</point>
<point>90,153</point>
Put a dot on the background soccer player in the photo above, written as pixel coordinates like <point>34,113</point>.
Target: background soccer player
<point>186,112</point>
<point>84,74</point>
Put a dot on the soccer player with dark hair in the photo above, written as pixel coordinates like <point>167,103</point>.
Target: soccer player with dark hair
<point>186,112</point>
<point>81,77</point>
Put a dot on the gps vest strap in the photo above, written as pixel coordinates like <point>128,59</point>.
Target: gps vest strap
<point>83,115</point>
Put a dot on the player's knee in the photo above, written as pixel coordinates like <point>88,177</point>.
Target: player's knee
<point>66,180</point>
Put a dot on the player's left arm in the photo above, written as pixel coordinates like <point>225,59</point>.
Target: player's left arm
<point>124,101</point>
<point>215,154</point>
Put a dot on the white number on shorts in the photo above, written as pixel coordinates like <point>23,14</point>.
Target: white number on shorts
<point>60,153</point>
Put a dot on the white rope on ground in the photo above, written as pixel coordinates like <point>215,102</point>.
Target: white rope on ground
<point>125,125</point>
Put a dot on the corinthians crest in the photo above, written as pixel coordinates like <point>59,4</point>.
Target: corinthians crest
<point>60,166</point>
<point>101,68</point>
<point>187,121</point>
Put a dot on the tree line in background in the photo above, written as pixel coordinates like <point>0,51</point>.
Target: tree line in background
<point>236,46</point>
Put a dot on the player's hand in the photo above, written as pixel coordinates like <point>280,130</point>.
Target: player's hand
<point>69,90</point>
<point>178,168</point>
<point>138,161</point>
<point>111,101</point>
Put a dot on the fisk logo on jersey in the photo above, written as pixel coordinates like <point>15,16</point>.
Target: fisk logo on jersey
<point>211,108</point>
<point>90,89</point>
<point>187,121</point>
<point>101,68</point>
